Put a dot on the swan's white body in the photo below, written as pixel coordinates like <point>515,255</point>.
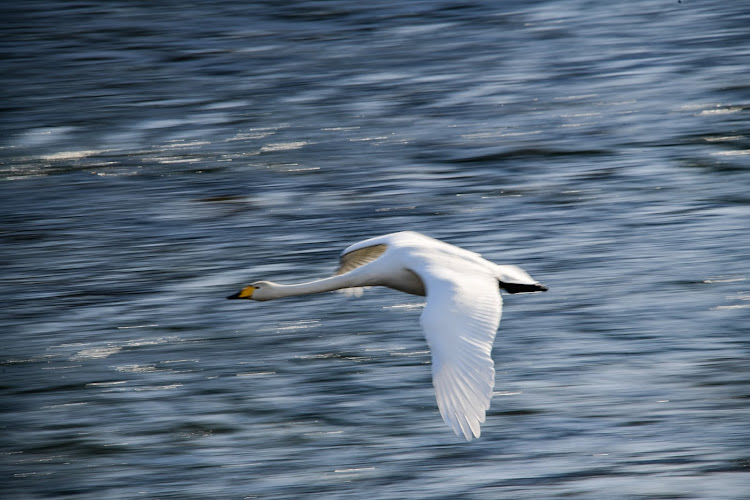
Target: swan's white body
<point>459,320</point>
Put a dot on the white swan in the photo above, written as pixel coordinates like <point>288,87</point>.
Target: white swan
<point>459,320</point>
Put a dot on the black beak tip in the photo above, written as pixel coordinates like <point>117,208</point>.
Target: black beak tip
<point>234,296</point>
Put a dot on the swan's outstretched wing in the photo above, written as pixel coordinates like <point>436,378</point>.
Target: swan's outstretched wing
<point>353,259</point>
<point>359,257</point>
<point>459,321</point>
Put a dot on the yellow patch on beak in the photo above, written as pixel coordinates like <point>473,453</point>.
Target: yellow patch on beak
<point>246,292</point>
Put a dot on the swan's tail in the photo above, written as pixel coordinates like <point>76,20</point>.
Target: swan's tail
<point>513,279</point>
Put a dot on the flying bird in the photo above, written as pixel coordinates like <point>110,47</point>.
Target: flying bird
<point>459,319</point>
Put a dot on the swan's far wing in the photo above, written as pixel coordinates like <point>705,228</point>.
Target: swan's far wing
<point>360,257</point>
<point>459,321</point>
<point>350,261</point>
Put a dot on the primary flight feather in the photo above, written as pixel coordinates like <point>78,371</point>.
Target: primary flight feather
<point>459,320</point>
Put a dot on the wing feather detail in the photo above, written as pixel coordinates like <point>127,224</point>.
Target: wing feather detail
<point>357,258</point>
<point>459,321</point>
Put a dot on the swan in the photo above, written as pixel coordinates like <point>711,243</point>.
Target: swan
<point>460,317</point>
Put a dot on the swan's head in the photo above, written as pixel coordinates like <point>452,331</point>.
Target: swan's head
<point>260,290</point>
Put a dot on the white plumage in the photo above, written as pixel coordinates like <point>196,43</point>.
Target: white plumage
<point>459,320</point>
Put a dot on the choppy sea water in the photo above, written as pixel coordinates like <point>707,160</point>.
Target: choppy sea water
<point>156,158</point>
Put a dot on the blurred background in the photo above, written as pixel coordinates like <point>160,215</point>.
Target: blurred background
<point>155,157</point>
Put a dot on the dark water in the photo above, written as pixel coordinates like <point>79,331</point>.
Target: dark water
<point>154,159</point>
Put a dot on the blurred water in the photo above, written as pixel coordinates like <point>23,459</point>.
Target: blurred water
<point>155,158</point>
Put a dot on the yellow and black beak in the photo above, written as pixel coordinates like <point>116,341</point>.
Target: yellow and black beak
<point>245,293</point>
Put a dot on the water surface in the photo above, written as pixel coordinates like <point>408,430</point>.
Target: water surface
<point>154,159</point>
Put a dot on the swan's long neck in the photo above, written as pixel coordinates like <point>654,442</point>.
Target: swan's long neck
<point>317,286</point>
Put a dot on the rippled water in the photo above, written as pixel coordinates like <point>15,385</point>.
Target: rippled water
<point>154,159</point>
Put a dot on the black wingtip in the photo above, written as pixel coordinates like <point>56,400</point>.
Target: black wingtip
<point>523,287</point>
